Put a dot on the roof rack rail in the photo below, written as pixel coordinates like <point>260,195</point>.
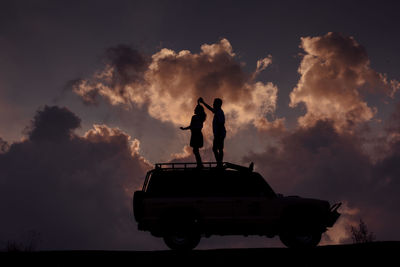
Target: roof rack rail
<point>186,165</point>
<point>239,167</point>
<point>193,165</point>
<point>206,165</point>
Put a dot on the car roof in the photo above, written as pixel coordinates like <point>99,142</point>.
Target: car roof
<point>210,171</point>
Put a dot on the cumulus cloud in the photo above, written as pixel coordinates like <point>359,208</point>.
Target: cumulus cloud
<point>274,128</point>
<point>314,159</point>
<point>335,73</point>
<point>168,83</point>
<point>119,81</point>
<point>76,191</point>
<point>392,125</point>
<point>53,123</point>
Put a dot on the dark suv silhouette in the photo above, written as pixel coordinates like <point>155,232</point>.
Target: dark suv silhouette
<point>181,204</point>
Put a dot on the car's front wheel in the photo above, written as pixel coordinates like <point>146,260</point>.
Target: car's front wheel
<point>300,240</point>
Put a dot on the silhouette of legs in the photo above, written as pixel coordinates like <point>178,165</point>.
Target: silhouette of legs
<point>198,157</point>
<point>219,155</point>
<point>218,149</point>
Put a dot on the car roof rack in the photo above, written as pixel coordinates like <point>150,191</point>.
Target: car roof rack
<point>192,165</point>
<point>206,165</point>
<point>185,165</point>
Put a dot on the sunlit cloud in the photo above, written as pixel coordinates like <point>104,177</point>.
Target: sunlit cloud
<point>335,74</point>
<point>168,84</point>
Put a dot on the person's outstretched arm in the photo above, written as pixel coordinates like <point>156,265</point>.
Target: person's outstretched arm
<point>200,100</point>
<point>185,128</point>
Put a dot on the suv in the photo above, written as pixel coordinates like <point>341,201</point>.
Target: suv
<point>181,204</point>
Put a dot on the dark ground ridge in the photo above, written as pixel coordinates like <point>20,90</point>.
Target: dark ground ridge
<point>385,253</point>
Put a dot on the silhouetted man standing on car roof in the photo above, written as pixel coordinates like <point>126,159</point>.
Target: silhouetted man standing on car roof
<point>218,128</point>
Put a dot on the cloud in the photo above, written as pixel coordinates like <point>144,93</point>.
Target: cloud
<point>53,124</point>
<point>388,168</point>
<point>321,162</point>
<point>392,125</point>
<point>76,191</point>
<point>120,81</point>
<point>314,159</point>
<point>335,73</point>
<point>168,83</point>
<point>185,154</point>
<point>274,128</point>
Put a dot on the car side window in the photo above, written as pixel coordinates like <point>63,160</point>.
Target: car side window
<point>253,185</point>
<point>208,184</point>
<point>179,184</point>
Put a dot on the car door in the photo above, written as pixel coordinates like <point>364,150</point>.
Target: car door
<point>254,209</point>
<point>214,202</point>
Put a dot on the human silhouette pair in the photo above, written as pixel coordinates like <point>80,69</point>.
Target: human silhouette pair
<point>196,125</point>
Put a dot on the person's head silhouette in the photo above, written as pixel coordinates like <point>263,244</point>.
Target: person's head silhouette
<point>217,103</point>
<point>199,110</point>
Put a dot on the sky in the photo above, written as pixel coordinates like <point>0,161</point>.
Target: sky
<point>92,94</point>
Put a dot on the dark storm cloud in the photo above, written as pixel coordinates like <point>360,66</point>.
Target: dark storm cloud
<point>384,197</point>
<point>321,162</point>
<point>392,125</point>
<point>389,167</point>
<point>54,124</point>
<point>75,191</point>
<point>313,160</point>
<point>129,64</point>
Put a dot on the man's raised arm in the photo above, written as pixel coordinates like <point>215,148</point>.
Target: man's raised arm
<point>200,100</point>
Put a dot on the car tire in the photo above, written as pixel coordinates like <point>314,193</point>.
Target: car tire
<point>304,240</point>
<point>181,232</point>
<point>182,240</point>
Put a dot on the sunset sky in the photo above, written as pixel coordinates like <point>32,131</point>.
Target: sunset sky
<point>92,93</point>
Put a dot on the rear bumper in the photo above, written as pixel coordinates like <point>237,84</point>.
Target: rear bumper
<point>333,214</point>
<point>137,204</point>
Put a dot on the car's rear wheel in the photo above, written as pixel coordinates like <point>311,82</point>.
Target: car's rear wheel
<point>181,232</point>
<point>300,240</point>
<point>182,240</point>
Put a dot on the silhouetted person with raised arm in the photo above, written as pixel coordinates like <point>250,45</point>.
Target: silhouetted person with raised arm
<point>196,140</point>
<point>218,128</point>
